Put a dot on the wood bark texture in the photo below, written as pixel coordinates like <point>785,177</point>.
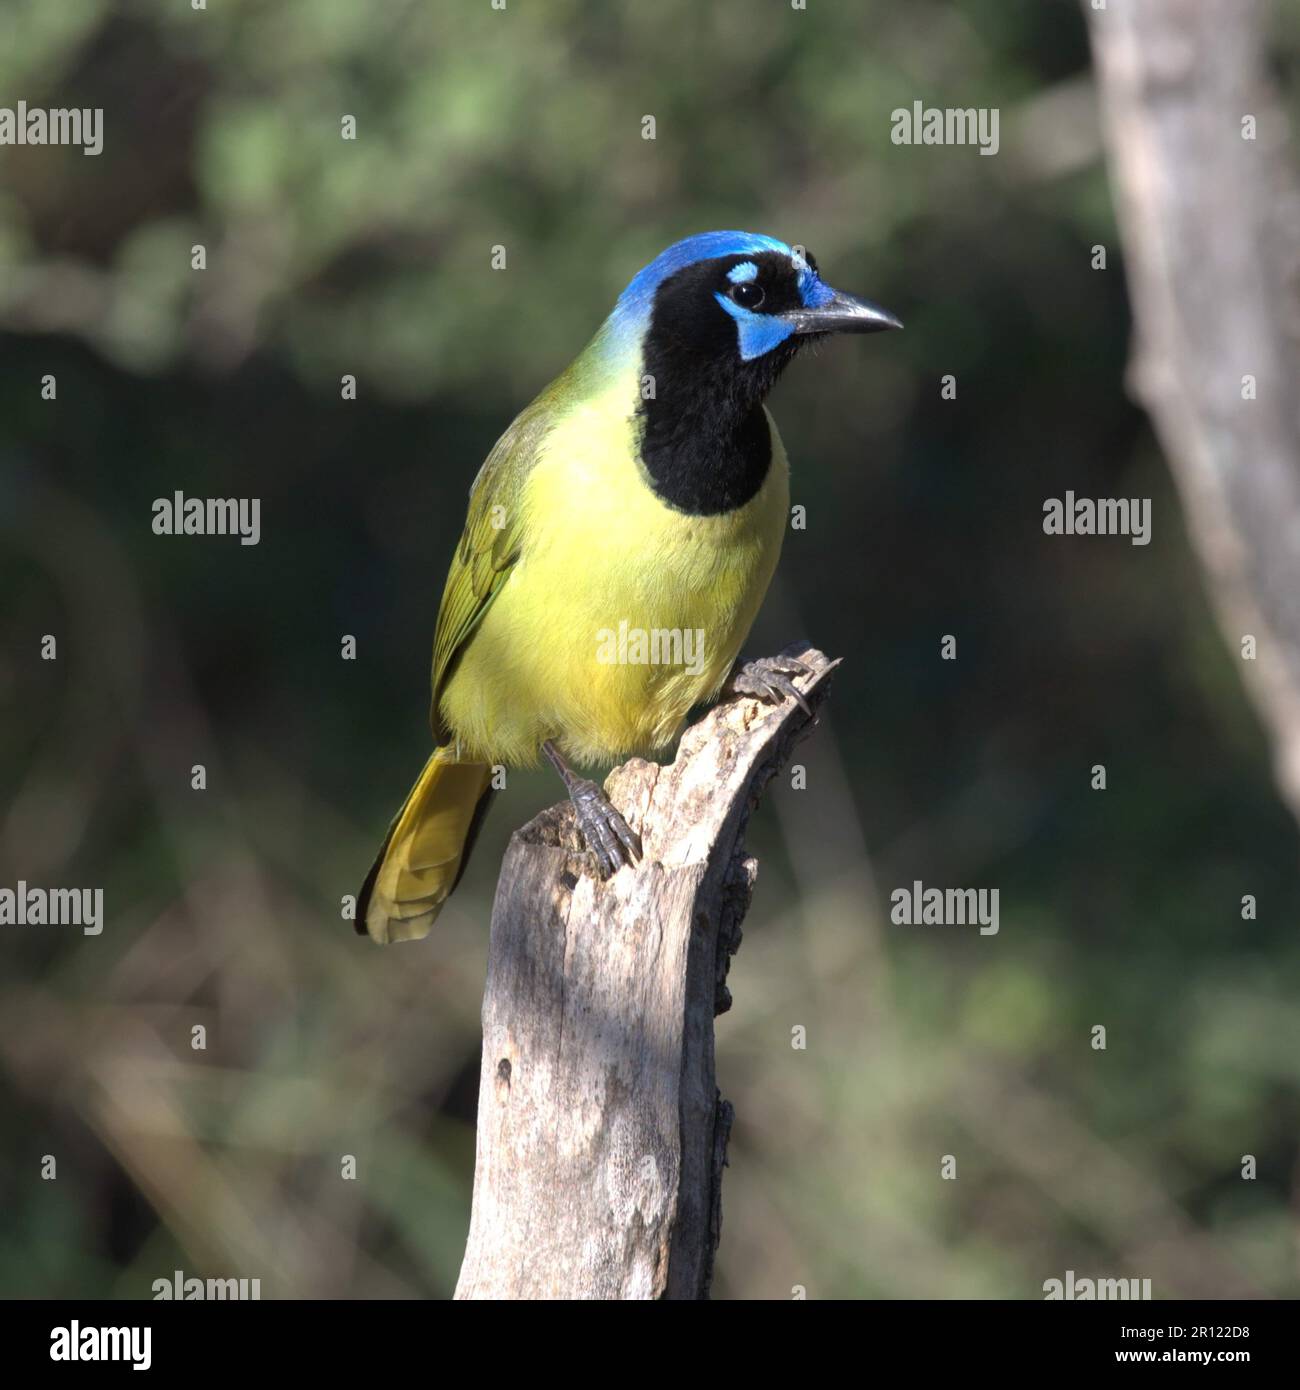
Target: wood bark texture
<point>1210,222</point>
<point>601,1132</point>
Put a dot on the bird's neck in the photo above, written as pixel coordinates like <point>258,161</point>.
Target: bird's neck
<point>703,435</point>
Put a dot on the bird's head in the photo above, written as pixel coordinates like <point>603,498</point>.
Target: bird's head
<point>707,327</point>
<point>735,307</point>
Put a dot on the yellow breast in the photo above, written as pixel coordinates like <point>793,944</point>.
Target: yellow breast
<point>620,613</point>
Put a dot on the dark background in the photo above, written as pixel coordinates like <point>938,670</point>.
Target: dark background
<point>523,128</point>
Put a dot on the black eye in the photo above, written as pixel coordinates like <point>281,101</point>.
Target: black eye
<point>748,295</point>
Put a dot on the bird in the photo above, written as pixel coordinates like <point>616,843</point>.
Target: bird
<point>620,537</point>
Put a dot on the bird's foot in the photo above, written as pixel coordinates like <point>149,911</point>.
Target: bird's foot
<point>609,837</point>
<point>770,678</point>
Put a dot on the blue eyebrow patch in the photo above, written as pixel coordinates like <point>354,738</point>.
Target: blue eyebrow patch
<point>743,273</point>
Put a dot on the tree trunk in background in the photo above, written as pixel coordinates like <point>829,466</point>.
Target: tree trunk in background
<point>601,1133</point>
<point>1210,223</point>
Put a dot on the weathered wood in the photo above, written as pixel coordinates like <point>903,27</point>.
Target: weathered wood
<point>1211,228</point>
<point>601,1132</point>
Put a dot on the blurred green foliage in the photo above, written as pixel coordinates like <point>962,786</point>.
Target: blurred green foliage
<point>523,128</point>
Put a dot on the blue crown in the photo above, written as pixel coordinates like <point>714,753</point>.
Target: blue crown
<point>704,246</point>
<point>631,315</point>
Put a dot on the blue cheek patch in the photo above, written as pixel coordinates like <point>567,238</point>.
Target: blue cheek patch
<point>758,333</point>
<point>743,273</point>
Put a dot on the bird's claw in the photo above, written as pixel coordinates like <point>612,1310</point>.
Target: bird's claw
<point>769,678</point>
<point>609,837</point>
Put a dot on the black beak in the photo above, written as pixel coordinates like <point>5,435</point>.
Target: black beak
<point>842,313</point>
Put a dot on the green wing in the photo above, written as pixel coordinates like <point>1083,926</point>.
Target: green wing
<point>490,544</point>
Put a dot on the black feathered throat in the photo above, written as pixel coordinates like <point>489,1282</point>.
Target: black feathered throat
<point>704,439</point>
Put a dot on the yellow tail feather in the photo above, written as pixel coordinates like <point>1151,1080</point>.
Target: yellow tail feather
<point>425,851</point>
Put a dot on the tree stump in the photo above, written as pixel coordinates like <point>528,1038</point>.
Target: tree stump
<point>601,1132</point>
